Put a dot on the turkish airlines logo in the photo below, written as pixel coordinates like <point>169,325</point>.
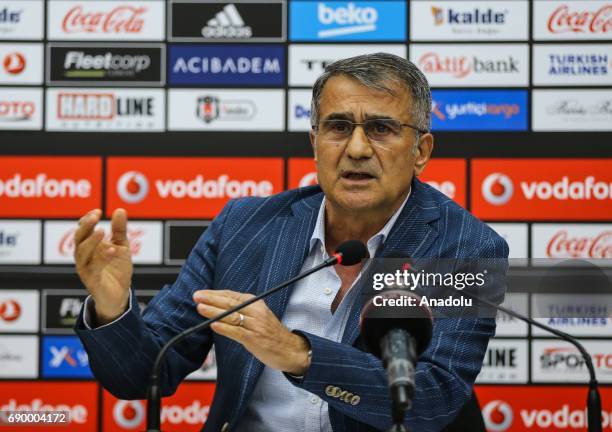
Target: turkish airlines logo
<point>562,20</point>
<point>497,188</point>
<point>563,245</point>
<point>10,310</point>
<point>497,416</point>
<point>120,20</point>
<point>128,414</point>
<point>132,187</point>
<point>14,63</point>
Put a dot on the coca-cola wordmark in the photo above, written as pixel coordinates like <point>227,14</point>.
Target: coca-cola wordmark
<point>566,20</point>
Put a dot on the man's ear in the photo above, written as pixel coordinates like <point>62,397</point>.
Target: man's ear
<point>423,153</point>
<point>313,142</point>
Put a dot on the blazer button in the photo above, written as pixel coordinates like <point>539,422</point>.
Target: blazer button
<point>225,427</point>
<point>355,400</point>
<point>331,390</point>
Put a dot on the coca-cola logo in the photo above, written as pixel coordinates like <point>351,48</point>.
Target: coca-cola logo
<point>564,21</point>
<point>66,243</point>
<point>564,245</point>
<point>121,19</point>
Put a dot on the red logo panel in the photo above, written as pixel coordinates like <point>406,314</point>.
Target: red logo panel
<point>446,175</point>
<point>539,408</point>
<point>49,186</point>
<point>187,187</point>
<point>540,189</point>
<point>186,410</point>
<point>79,398</point>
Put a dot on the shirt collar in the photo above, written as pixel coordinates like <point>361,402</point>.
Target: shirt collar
<point>318,235</point>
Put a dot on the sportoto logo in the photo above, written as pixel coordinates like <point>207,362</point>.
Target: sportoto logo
<point>10,310</point>
<point>128,414</point>
<point>14,63</point>
<point>309,179</point>
<point>133,187</point>
<point>497,416</point>
<point>497,188</point>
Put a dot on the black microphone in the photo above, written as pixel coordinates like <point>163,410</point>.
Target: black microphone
<point>397,334</point>
<point>348,253</point>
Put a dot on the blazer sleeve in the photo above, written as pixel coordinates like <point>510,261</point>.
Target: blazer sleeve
<point>444,376</point>
<point>121,354</point>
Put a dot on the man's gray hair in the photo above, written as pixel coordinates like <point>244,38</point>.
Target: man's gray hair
<point>377,71</point>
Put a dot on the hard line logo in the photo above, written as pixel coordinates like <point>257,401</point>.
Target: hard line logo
<point>101,106</point>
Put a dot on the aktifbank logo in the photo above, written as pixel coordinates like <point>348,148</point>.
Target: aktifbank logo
<point>349,21</point>
<point>188,187</point>
<point>538,189</point>
<point>132,187</point>
<point>49,186</point>
<point>498,416</point>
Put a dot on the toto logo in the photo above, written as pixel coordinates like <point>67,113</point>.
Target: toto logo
<point>128,414</point>
<point>497,188</point>
<point>497,416</point>
<point>133,187</point>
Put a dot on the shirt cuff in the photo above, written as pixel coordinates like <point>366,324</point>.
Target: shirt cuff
<point>90,311</point>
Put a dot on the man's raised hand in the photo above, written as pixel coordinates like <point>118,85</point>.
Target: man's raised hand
<point>105,267</point>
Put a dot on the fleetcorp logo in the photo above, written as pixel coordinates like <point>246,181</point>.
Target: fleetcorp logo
<point>128,414</point>
<point>497,188</point>
<point>133,187</point>
<point>497,416</point>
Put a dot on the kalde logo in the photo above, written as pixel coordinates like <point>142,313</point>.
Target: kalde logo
<point>476,16</point>
<point>121,19</point>
<point>16,111</point>
<point>561,20</point>
<point>78,413</point>
<point>227,24</point>
<point>42,186</point>
<point>460,67</point>
<point>14,63</point>
<point>8,240</point>
<point>351,19</point>
<point>66,246</point>
<point>497,188</point>
<point>132,187</point>
<point>563,245</point>
<point>101,106</point>
<point>129,414</point>
<point>8,16</point>
<point>498,416</point>
<point>10,310</point>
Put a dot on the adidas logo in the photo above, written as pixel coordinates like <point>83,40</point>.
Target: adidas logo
<point>227,24</point>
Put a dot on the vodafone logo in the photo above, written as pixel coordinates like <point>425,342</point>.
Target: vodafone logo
<point>309,179</point>
<point>128,414</point>
<point>497,188</point>
<point>133,187</point>
<point>14,63</point>
<point>497,416</point>
<point>78,413</point>
<point>43,187</point>
<point>10,310</point>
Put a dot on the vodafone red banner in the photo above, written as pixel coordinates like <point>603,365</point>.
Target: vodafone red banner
<point>539,408</point>
<point>49,186</point>
<point>79,398</point>
<point>187,187</point>
<point>542,189</point>
<point>185,411</point>
<point>446,175</point>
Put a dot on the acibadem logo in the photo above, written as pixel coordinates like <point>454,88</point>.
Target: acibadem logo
<point>84,63</point>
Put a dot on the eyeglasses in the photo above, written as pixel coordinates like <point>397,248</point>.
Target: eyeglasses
<point>379,130</point>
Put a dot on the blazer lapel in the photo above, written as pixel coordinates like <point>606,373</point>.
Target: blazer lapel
<point>412,235</point>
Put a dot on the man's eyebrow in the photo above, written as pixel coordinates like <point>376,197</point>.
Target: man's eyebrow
<point>368,116</point>
<point>340,116</point>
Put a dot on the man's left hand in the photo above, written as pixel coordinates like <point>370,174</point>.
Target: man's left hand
<point>260,332</point>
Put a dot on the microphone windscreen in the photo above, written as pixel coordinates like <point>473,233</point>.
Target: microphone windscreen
<point>353,251</point>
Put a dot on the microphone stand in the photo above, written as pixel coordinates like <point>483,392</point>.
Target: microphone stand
<point>593,397</point>
<point>154,390</point>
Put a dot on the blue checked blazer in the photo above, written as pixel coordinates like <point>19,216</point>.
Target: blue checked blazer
<point>257,243</point>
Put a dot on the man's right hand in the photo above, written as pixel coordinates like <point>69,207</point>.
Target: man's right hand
<point>105,267</point>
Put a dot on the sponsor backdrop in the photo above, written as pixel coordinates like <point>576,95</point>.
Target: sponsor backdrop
<point>171,108</point>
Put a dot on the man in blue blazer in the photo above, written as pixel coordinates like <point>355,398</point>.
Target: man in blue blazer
<point>295,362</point>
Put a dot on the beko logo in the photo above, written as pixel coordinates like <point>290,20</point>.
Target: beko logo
<point>350,19</point>
<point>477,16</point>
<point>497,416</point>
<point>133,187</point>
<point>227,24</point>
<point>497,188</point>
